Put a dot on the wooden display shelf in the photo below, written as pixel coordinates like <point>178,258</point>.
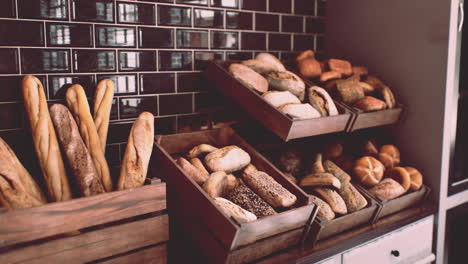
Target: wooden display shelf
<point>362,119</point>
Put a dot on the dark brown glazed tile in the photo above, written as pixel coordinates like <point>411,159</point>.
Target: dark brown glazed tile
<point>165,125</point>
<point>11,87</point>
<point>175,104</point>
<point>157,83</point>
<point>175,60</point>
<point>94,10</point>
<point>203,57</point>
<point>113,155</point>
<point>69,34</point>
<point>224,40</point>
<point>239,20</point>
<point>289,56</point>
<point>114,114</point>
<point>292,24</point>
<point>21,143</point>
<point>45,60</point>
<point>110,36</point>
<point>174,16</point>
<point>195,39</point>
<point>304,7</point>
<point>190,123</point>
<point>321,8</point>
<point>58,84</point>
<point>225,3</point>
<point>118,132</point>
<point>266,22</point>
<point>136,13</point>
<point>282,6</point>
<point>189,82</point>
<point>315,25</point>
<point>11,115</point>
<point>240,55</point>
<point>124,83</point>
<point>192,2</point>
<point>9,61</point>
<point>303,42</point>
<point>156,37</point>
<point>132,107</point>
<point>253,41</point>
<point>21,33</point>
<point>94,60</point>
<point>208,18</point>
<point>257,5</point>
<point>137,60</point>
<point>206,101</point>
<point>8,9</point>
<point>279,42</point>
<point>45,9</point>
<point>320,43</point>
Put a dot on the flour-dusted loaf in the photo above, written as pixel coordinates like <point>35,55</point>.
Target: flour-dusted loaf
<point>325,212</point>
<point>279,98</point>
<point>102,108</point>
<point>75,151</point>
<point>17,188</point>
<point>194,173</point>
<point>269,189</point>
<point>228,159</point>
<point>261,66</point>
<point>138,152</point>
<point>233,210</point>
<point>353,199</point>
<point>333,199</point>
<point>387,189</point>
<point>215,185</point>
<point>78,105</point>
<point>287,81</point>
<point>200,150</point>
<point>272,60</point>
<point>300,111</point>
<point>45,140</point>
<point>249,200</point>
<point>321,100</point>
<point>248,77</point>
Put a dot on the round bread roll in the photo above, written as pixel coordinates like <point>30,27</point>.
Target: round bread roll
<point>342,66</point>
<point>368,171</point>
<point>389,155</point>
<point>272,60</point>
<point>279,98</point>
<point>325,210</point>
<point>227,159</point>
<point>415,177</point>
<point>307,65</point>
<point>287,81</point>
<point>248,77</point>
<point>387,189</point>
<point>401,176</point>
<point>369,103</point>
<point>333,150</point>
<point>300,111</point>
<point>262,67</point>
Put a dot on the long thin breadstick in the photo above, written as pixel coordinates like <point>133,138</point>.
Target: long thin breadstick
<point>78,104</point>
<point>45,140</point>
<point>102,109</point>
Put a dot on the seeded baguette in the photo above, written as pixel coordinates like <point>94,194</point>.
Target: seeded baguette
<point>249,200</point>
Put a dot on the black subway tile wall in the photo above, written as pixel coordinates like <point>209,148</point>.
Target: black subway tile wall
<point>154,50</point>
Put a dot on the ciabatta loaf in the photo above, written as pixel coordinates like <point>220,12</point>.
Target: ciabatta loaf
<point>228,159</point>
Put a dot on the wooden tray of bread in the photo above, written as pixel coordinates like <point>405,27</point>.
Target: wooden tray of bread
<point>372,102</point>
<point>280,101</point>
<point>230,219</point>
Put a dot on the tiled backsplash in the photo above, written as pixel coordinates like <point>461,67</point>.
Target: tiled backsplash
<point>154,50</point>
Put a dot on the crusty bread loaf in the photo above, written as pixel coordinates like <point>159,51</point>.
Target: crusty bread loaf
<point>334,169</point>
<point>199,165</point>
<point>369,103</point>
<point>215,185</point>
<point>353,199</point>
<point>249,200</point>
<point>307,65</point>
<point>248,77</point>
<point>231,209</point>
<point>349,90</point>
<point>231,183</point>
<point>300,111</point>
<point>291,161</point>
<point>138,152</point>
<point>262,67</point>
<point>325,212</point>
<point>368,171</point>
<point>287,81</point>
<point>228,159</point>
<point>320,180</point>
<point>199,150</point>
<point>316,164</point>
<point>387,189</point>
<point>416,178</point>
<point>333,199</point>
<point>400,175</point>
<point>321,101</point>
<point>195,174</point>
<point>272,60</point>
<point>102,107</point>
<point>45,140</point>
<point>269,189</point>
<point>77,155</point>
<point>342,66</point>
<point>333,150</point>
<point>78,104</point>
<point>330,75</point>
<point>279,98</point>
<point>17,188</point>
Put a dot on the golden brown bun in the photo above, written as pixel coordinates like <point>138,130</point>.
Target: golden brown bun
<point>287,81</point>
<point>349,90</point>
<point>248,77</point>
<point>307,65</point>
<point>360,70</point>
<point>216,184</point>
<point>333,150</point>
<point>45,140</point>
<point>228,159</point>
<point>400,175</point>
<point>231,209</point>
<point>77,155</point>
<point>368,171</point>
<point>320,180</point>
<point>17,188</point>
<point>333,199</point>
<point>325,210</point>
<point>387,189</point>
<point>370,103</point>
<point>415,177</point>
<point>102,108</point>
<point>195,174</point>
<point>341,66</point>
<point>331,75</point>
<point>389,155</point>
<point>352,197</point>
<point>340,174</point>
<point>199,150</point>
<point>138,152</point>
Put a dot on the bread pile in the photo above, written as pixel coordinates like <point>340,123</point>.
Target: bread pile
<point>72,137</point>
<point>377,168</point>
<point>237,187</point>
<point>351,85</point>
<point>328,185</point>
<point>283,89</point>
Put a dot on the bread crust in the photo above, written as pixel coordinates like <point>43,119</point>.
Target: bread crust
<point>228,159</point>
<point>102,108</point>
<point>231,209</point>
<point>248,77</point>
<point>387,189</point>
<point>279,98</point>
<point>325,212</point>
<point>416,178</point>
<point>368,171</point>
<point>191,171</point>
<point>333,199</point>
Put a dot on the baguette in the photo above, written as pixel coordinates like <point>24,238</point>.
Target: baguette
<point>352,197</point>
<point>195,174</point>
<point>45,140</point>
<point>138,152</point>
<point>102,108</point>
<point>325,210</point>
<point>78,157</point>
<point>78,104</point>
<point>216,184</point>
<point>320,179</point>
<point>333,199</point>
<point>17,188</point>
<point>199,165</point>
<point>250,201</point>
<point>332,168</point>
<point>199,150</point>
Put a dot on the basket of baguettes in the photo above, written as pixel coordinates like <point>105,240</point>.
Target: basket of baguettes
<point>227,199</point>
<point>372,101</point>
<point>69,144</point>
<point>278,98</point>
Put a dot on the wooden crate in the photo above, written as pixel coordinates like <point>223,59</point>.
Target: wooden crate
<point>222,239</point>
<point>363,119</point>
<point>280,124</point>
<point>118,227</point>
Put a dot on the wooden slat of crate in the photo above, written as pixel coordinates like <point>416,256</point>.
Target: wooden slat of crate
<point>25,225</point>
<point>152,255</point>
